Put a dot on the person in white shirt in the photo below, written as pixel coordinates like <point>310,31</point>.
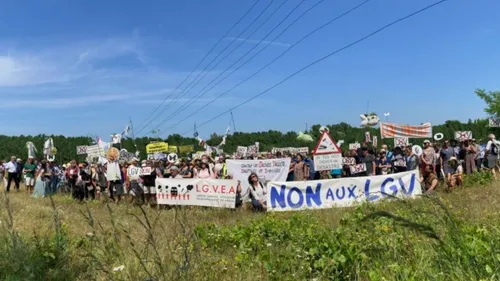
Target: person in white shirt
<point>257,193</point>
<point>12,175</point>
<point>174,173</point>
<point>491,154</point>
<point>114,176</point>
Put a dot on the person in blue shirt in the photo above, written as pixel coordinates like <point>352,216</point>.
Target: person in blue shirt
<point>312,173</point>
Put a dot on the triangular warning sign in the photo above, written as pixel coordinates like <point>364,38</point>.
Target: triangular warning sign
<point>326,145</point>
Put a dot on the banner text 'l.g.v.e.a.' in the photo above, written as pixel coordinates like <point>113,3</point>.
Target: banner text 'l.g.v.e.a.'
<point>321,194</point>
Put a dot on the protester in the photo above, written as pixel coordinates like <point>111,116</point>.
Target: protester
<point>29,174</point>
<point>301,169</point>
<point>456,178</point>
<point>257,193</point>
<point>41,181</point>
<point>491,154</point>
<point>11,168</point>
<point>430,180</point>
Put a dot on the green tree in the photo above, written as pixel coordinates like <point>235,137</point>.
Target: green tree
<point>492,100</point>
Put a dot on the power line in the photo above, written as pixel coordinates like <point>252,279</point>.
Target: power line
<point>214,59</point>
<point>200,93</point>
<point>199,63</point>
<point>323,58</point>
<point>278,57</point>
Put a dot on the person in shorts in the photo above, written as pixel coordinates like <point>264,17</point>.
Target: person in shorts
<point>29,174</point>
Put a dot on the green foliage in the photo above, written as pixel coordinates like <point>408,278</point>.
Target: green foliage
<point>409,244</point>
<point>16,145</point>
<point>492,100</point>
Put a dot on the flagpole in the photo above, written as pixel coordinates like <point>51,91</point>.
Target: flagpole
<point>232,118</point>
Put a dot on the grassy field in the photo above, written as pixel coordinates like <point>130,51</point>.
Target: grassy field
<point>448,236</point>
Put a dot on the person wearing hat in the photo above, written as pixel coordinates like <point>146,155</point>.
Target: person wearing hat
<point>174,173</point>
<point>491,154</point>
<point>456,178</point>
<point>29,172</point>
<point>132,181</point>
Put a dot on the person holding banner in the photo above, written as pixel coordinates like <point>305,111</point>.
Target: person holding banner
<point>257,193</point>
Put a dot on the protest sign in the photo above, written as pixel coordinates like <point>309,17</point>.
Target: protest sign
<point>354,146</point>
<point>344,192</point>
<point>463,135</point>
<point>349,161</point>
<point>156,147</point>
<point>81,149</point>
<point>326,162</point>
<point>266,169</point>
<point>186,148</point>
<point>95,150</point>
<point>327,155</point>
<point>358,168</point>
<point>196,192</point>
<point>290,150</point>
<point>144,171</point>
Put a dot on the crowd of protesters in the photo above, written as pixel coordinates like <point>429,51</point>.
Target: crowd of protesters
<point>444,162</point>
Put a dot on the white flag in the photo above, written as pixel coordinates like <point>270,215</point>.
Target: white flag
<point>116,138</point>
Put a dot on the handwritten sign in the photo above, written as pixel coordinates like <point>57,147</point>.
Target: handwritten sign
<point>354,146</point>
<point>327,162</point>
<point>95,150</point>
<point>290,150</point>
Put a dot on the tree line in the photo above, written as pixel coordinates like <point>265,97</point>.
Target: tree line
<point>66,146</point>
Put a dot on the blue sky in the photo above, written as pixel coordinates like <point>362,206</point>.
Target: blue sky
<point>85,67</point>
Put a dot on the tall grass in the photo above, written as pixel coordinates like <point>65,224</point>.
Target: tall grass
<point>437,237</point>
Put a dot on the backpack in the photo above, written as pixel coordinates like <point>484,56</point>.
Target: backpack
<point>494,148</point>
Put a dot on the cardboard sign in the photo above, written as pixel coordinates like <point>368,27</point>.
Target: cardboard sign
<point>463,135</point>
<point>401,142</point>
<point>81,149</point>
<point>172,157</point>
<point>327,162</point>
<point>354,146</point>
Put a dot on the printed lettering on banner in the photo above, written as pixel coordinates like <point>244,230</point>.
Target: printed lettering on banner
<point>494,122</point>
<point>266,169</point>
<point>95,150</point>
<point>463,135</point>
<point>196,192</point>
<point>358,168</point>
<point>326,145</point>
<point>327,162</point>
<point>348,161</point>
<point>145,171</point>
<point>343,192</point>
<point>81,149</point>
<point>401,142</point>
<point>157,147</point>
<point>354,146</point>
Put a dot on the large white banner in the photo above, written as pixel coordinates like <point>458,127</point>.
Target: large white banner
<point>196,192</point>
<point>344,192</point>
<point>266,169</point>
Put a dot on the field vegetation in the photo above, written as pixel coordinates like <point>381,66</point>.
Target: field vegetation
<point>445,236</point>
